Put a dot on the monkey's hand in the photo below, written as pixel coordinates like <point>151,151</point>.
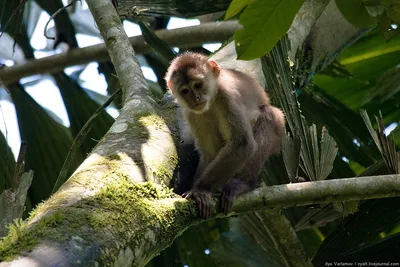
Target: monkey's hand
<point>203,200</point>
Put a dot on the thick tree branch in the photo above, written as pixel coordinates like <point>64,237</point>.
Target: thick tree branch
<point>184,38</point>
<point>300,194</point>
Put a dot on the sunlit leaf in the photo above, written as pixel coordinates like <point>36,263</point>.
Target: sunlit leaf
<point>236,6</point>
<point>264,23</point>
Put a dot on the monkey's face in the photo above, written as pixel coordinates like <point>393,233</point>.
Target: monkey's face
<point>193,80</point>
<point>194,89</point>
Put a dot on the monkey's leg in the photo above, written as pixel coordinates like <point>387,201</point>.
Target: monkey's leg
<point>202,198</point>
<point>235,188</point>
<point>268,133</point>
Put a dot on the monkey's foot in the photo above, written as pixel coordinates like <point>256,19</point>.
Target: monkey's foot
<point>203,200</point>
<point>227,197</point>
<point>235,188</point>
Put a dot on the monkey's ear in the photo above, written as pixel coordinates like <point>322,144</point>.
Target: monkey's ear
<point>169,84</point>
<point>214,66</point>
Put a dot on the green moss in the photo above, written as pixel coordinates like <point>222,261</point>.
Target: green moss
<point>153,120</point>
<point>23,237</point>
<point>117,205</point>
<point>114,157</point>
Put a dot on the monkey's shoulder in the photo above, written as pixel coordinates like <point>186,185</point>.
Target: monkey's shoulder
<point>239,105</point>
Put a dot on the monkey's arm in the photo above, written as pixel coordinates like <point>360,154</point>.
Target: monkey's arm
<point>203,162</point>
<point>240,146</point>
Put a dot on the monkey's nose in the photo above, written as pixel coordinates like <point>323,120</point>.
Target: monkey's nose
<point>197,97</point>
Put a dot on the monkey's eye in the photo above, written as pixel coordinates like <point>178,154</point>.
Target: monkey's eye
<point>197,85</point>
<point>184,91</point>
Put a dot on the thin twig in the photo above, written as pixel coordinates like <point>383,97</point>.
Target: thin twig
<point>80,137</point>
<point>22,3</point>
<point>53,16</point>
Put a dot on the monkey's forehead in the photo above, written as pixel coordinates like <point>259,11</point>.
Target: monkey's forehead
<point>187,66</point>
<point>185,75</point>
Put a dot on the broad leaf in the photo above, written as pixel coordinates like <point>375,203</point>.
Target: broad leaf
<point>264,23</point>
<point>355,12</point>
<point>344,124</point>
<point>163,50</point>
<point>359,229</point>
<point>48,143</point>
<point>7,163</point>
<point>236,6</point>
<point>386,249</point>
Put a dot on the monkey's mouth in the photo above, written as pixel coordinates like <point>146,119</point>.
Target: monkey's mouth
<point>199,106</point>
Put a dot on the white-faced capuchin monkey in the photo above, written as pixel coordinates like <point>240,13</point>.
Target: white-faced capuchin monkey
<point>234,125</point>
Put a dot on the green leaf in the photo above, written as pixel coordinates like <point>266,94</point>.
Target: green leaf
<point>316,160</point>
<point>386,29</point>
<point>336,70</point>
<point>356,13</point>
<point>264,22</point>
<point>387,86</point>
<point>394,15</point>
<point>370,128</point>
<point>386,146</point>
<point>7,163</point>
<point>344,125</point>
<point>359,229</point>
<point>329,151</point>
<point>11,21</point>
<point>48,142</point>
<point>317,217</point>
<point>162,49</point>
<point>387,249</point>
<point>236,6</point>
<point>291,155</point>
<point>80,109</point>
<point>370,2</point>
